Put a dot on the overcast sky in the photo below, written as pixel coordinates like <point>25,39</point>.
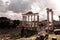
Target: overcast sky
<point>14,9</point>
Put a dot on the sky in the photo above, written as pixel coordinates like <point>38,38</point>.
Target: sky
<point>14,9</point>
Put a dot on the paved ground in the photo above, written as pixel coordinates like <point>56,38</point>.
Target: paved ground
<point>30,38</point>
<point>34,37</point>
<point>52,35</point>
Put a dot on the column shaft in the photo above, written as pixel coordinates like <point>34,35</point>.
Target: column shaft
<point>23,21</point>
<point>31,20</point>
<point>52,18</point>
<point>38,24</point>
<point>47,18</point>
<point>38,21</point>
<point>28,21</point>
<point>34,20</point>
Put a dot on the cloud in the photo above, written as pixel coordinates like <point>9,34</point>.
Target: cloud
<point>2,8</point>
<point>20,5</point>
<point>56,17</point>
<point>17,7</point>
<point>25,5</point>
<point>11,15</point>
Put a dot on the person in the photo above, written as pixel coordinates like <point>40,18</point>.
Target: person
<point>46,36</point>
<point>40,36</point>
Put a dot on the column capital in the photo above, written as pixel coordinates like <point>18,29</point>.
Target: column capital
<point>49,10</point>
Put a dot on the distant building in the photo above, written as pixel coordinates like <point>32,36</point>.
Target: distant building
<point>56,24</point>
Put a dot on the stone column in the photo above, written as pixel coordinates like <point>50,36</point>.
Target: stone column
<point>28,20</point>
<point>47,17</point>
<point>49,10</point>
<point>24,20</point>
<point>38,24</point>
<point>38,21</point>
<point>31,20</point>
<point>34,20</point>
<point>52,18</point>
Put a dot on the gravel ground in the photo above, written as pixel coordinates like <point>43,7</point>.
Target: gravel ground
<point>34,37</point>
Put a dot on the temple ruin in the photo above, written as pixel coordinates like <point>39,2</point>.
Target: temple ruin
<point>31,20</point>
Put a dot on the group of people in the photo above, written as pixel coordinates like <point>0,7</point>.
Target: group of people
<point>42,34</point>
<point>42,37</point>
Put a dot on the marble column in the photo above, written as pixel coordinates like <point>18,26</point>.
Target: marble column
<point>52,18</point>
<point>31,20</point>
<point>38,24</point>
<point>34,20</point>
<point>28,20</point>
<point>47,17</point>
<point>49,10</point>
<point>37,21</point>
<point>23,21</point>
